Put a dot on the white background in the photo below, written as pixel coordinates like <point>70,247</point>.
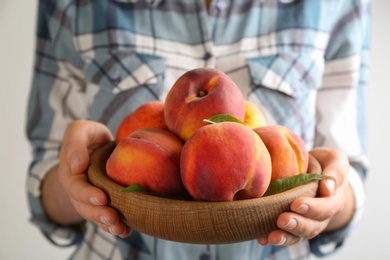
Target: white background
<point>21,240</point>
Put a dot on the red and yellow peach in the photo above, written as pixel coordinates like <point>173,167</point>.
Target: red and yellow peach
<point>149,157</point>
<point>288,152</point>
<point>148,115</point>
<point>200,94</point>
<point>224,162</point>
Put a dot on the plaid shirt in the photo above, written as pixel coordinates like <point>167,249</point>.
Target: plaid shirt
<point>304,63</point>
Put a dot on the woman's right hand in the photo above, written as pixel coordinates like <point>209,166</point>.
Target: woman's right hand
<point>73,199</point>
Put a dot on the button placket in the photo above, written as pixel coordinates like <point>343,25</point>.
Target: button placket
<point>209,57</point>
<point>206,21</point>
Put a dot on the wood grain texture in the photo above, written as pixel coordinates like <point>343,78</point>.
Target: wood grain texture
<point>195,222</point>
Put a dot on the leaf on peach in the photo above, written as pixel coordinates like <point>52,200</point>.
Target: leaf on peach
<point>136,187</point>
<point>284,184</point>
<point>223,118</point>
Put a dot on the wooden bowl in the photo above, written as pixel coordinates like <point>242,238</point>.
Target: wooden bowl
<point>195,222</point>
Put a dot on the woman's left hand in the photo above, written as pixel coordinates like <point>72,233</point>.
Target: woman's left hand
<point>332,209</point>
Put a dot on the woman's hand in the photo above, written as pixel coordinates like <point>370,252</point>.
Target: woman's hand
<point>68,197</point>
<point>332,209</point>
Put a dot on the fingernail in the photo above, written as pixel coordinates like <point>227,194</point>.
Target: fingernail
<point>126,233</point>
<point>94,201</point>
<point>330,184</point>
<point>262,241</point>
<point>282,241</point>
<point>73,163</point>
<point>303,209</point>
<point>104,220</point>
<point>291,224</point>
<point>111,229</point>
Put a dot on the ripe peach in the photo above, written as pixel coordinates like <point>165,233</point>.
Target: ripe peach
<point>148,115</point>
<point>197,95</point>
<point>224,162</point>
<point>149,157</point>
<point>288,152</point>
<point>253,115</point>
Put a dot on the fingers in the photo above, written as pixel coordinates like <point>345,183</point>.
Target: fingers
<point>281,238</point>
<point>90,202</point>
<point>300,226</point>
<point>293,228</point>
<point>319,209</point>
<point>81,191</point>
<point>105,217</point>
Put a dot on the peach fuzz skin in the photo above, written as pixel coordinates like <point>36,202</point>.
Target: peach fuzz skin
<point>224,162</point>
<point>253,116</point>
<point>200,94</point>
<point>288,152</point>
<point>149,157</point>
<point>148,115</point>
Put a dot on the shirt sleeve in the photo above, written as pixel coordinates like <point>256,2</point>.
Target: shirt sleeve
<point>340,115</point>
<point>56,98</point>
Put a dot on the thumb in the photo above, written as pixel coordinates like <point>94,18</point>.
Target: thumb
<point>80,140</point>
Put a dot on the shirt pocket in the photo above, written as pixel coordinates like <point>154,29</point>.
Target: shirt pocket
<point>286,85</point>
<point>118,71</point>
<point>117,82</point>
<point>290,73</point>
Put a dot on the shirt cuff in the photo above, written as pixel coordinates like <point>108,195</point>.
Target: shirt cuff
<point>57,234</point>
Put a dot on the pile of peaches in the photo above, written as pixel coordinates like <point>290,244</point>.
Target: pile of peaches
<point>204,142</point>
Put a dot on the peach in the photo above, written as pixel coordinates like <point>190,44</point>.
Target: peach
<point>288,152</point>
<point>149,157</point>
<point>148,115</point>
<point>253,115</point>
<point>197,95</point>
<point>225,161</point>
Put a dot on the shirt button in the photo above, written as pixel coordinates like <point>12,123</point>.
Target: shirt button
<point>204,256</point>
<point>116,79</point>
<point>207,56</point>
<point>221,5</point>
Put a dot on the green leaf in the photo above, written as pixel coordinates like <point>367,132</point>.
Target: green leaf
<point>223,118</point>
<point>284,184</point>
<point>138,188</point>
<point>134,187</point>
